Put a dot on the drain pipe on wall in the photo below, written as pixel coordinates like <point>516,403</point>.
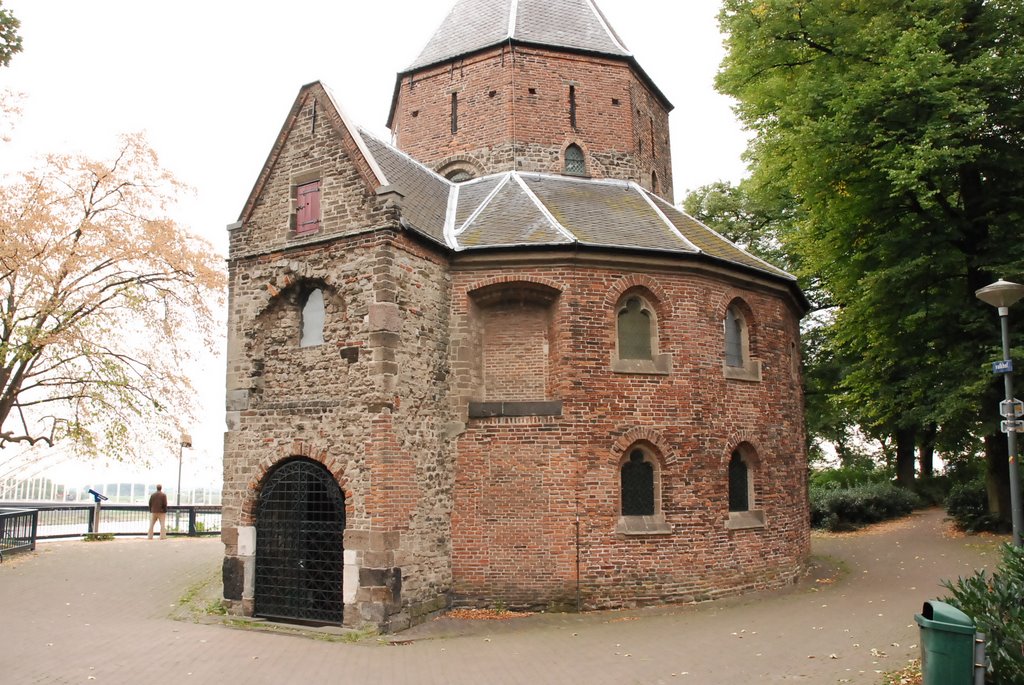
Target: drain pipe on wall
<point>577,553</point>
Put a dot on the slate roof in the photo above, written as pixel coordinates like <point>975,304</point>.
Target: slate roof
<point>473,25</point>
<point>516,209</point>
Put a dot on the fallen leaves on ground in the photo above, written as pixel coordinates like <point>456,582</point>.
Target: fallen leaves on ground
<point>871,529</point>
<point>911,675</point>
<point>485,614</point>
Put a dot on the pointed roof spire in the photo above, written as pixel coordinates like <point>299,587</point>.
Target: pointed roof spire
<point>477,24</point>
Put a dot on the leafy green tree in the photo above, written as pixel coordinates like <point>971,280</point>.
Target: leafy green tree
<point>896,126</point>
<point>10,41</point>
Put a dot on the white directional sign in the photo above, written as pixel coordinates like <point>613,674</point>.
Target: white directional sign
<point>1011,409</point>
<point>1012,426</point>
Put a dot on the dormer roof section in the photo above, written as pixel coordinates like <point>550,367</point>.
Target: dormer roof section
<point>474,25</point>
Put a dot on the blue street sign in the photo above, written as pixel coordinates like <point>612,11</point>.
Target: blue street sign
<point>1004,366</point>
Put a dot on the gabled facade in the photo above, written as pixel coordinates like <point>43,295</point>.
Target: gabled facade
<point>531,387</point>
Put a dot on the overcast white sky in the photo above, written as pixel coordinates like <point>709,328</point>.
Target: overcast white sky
<point>210,82</point>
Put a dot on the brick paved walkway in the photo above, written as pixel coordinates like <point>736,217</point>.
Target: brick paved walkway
<point>78,612</point>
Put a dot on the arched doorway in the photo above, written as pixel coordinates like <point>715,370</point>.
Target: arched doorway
<point>300,523</point>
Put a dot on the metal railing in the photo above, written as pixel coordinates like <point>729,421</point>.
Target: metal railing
<point>17,530</point>
<point>52,521</point>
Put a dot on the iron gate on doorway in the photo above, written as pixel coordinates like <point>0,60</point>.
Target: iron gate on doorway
<point>300,523</point>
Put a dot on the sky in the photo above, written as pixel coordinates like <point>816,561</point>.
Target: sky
<point>210,83</point>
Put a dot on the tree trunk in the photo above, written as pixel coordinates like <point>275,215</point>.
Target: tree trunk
<point>997,476</point>
<point>906,445</point>
<point>927,451</point>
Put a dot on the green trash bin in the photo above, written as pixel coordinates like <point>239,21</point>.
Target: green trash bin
<point>947,644</point>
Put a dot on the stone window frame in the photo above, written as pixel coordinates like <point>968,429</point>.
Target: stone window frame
<point>749,368</point>
<point>654,524</point>
<point>659,363</point>
<point>294,183</point>
<point>751,516</point>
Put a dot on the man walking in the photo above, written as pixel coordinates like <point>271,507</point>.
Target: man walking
<point>158,512</point>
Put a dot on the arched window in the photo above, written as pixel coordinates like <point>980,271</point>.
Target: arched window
<point>738,363</point>
<point>636,337</point>
<point>313,319</point>
<point>634,330</point>
<point>733,337</point>
<point>740,473</point>
<point>640,494</point>
<point>575,163</point>
<point>739,483</point>
<point>637,479</point>
<point>459,175</point>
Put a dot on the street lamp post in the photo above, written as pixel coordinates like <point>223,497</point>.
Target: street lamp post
<point>185,441</point>
<point>1003,294</point>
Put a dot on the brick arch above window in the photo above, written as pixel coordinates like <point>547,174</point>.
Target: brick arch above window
<point>653,290</point>
<point>460,168</point>
<point>644,435</point>
<point>544,290</point>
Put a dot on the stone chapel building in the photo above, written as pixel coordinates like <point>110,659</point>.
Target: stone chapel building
<point>492,362</point>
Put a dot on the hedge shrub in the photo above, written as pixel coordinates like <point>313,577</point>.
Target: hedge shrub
<point>994,603</point>
<point>847,508</point>
<point>967,505</point>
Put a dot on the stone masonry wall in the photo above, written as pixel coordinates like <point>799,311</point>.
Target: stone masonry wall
<point>513,109</point>
<point>522,480</point>
<point>370,403</point>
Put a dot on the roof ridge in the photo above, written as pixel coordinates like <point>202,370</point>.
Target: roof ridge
<point>480,207</point>
<point>449,218</point>
<point>543,209</point>
<point>718,235</point>
<point>353,130</point>
<point>606,26</point>
<point>661,215</point>
<point>365,131</point>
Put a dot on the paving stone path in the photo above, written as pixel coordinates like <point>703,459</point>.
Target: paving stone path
<point>103,612</point>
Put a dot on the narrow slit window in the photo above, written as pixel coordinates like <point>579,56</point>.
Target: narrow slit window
<point>572,107</point>
<point>733,338</point>
<point>455,113</point>
<point>313,319</point>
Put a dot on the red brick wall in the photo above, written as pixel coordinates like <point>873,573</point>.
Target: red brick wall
<point>515,356</point>
<point>501,120</point>
<point>519,481</point>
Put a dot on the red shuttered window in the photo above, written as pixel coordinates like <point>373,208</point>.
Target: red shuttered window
<point>307,207</point>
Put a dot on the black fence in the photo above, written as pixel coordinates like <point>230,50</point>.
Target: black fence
<point>51,521</point>
<point>17,530</point>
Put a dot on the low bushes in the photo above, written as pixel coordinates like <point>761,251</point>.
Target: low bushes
<point>994,603</point>
<point>967,505</point>
<point>846,508</point>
